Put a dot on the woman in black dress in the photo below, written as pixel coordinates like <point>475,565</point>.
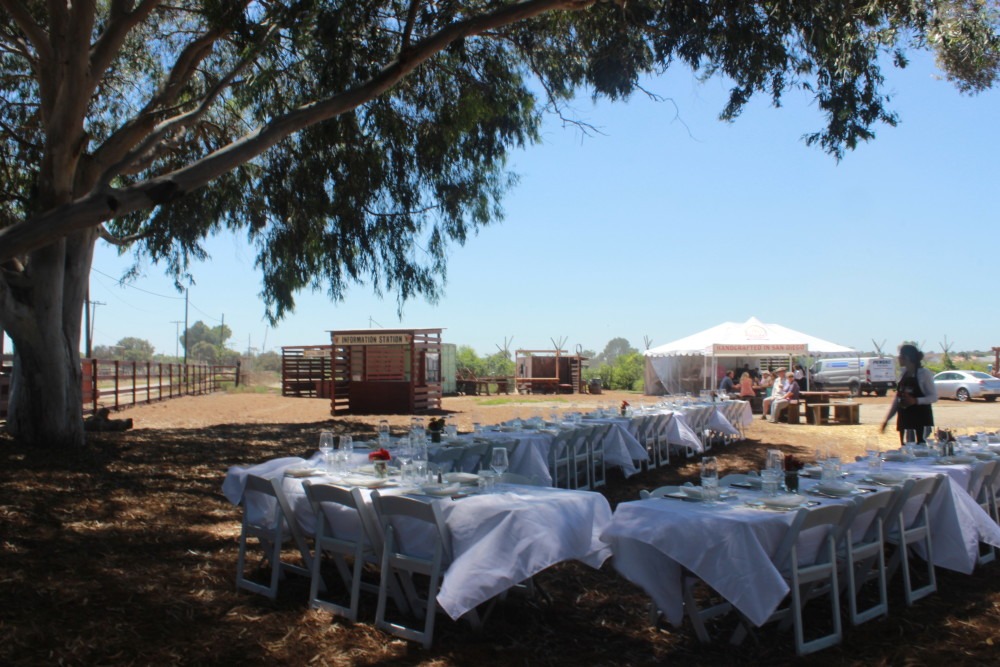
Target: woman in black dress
<point>915,392</point>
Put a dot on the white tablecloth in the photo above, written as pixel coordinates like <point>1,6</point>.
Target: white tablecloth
<point>729,546</point>
<point>497,540</point>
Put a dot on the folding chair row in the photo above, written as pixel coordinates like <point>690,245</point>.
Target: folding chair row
<point>576,457</point>
<point>854,544</point>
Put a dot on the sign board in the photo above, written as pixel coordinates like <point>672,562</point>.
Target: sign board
<point>758,348</point>
<point>372,339</point>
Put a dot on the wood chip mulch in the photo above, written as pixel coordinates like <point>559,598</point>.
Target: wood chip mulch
<point>125,554</point>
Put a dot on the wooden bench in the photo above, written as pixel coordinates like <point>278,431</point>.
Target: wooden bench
<point>792,412</point>
<point>842,413</point>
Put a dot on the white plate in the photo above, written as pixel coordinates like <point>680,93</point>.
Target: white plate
<point>836,488</point>
<point>440,489</point>
<point>895,456</point>
<point>811,471</point>
<point>461,477</point>
<point>955,460</point>
<point>785,501</point>
<point>303,472</point>
<point>886,478</point>
<point>365,482</point>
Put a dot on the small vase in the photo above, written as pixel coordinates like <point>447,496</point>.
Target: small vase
<point>381,469</point>
<point>792,481</point>
<point>435,436</point>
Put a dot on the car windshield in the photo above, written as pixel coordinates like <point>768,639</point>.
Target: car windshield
<point>979,375</point>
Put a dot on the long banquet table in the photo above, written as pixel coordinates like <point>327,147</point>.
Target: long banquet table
<point>498,540</point>
<point>653,541</point>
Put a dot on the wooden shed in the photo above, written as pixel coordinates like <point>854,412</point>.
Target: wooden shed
<point>386,371</point>
<point>548,371</point>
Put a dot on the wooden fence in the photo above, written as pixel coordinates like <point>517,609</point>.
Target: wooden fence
<point>115,384</point>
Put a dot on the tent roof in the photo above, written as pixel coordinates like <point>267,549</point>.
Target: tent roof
<point>752,338</point>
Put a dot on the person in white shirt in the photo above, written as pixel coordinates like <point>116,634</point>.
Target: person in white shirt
<point>777,391</point>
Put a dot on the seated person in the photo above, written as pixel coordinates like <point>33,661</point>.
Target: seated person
<point>777,390</point>
<point>726,385</point>
<point>791,395</point>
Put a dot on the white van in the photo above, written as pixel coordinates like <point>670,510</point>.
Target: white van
<point>858,374</point>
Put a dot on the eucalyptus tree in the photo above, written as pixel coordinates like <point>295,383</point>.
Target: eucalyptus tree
<point>356,140</point>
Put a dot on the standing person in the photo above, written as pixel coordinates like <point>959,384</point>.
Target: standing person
<point>779,402</point>
<point>746,387</point>
<point>915,392</point>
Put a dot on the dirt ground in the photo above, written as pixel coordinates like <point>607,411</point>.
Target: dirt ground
<point>125,554</point>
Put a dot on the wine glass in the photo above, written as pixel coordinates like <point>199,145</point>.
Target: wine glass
<point>325,445</point>
<point>498,461</point>
<point>345,450</point>
<point>709,478</point>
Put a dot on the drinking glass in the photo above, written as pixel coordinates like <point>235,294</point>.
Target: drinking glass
<point>927,433</point>
<point>383,433</point>
<point>909,437</point>
<point>710,478</point>
<point>770,481</point>
<point>347,444</point>
<point>775,460</point>
<point>498,461</point>
<point>325,446</point>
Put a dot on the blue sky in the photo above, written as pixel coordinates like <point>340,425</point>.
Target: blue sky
<point>670,222</point>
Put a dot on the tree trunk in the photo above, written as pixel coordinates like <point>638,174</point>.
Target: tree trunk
<point>43,320</point>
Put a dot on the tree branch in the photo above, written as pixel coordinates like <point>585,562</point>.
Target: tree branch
<point>36,36</point>
<point>120,241</point>
<point>104,204</point>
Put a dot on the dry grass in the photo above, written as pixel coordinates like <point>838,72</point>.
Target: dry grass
<point>125,554</point>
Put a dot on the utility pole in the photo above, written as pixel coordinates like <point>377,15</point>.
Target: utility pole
<point>185,328</point>
<point>90,329</point>
<point>177,338</point>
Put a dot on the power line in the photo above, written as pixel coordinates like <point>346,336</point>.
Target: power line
<point>122,283</point>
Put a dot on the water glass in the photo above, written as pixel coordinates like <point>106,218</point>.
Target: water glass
<point>477,429</point>
<point>710,478</point>
<point>340,463</point>
<point>419,471</point>
<point>775,459</point>
<point>910,437</point>
<point>770,481</point>
<point>450,431</point>
<point>874,462</point>
<point>498,461</point>
<point>831,469</point>
<point>325,446</point>
<point>384,434</point>
<point>347,445</point>
<point>487,481</point>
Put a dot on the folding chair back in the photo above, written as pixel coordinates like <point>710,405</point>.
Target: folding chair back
<point>560,455</point>
<point>400,517</point>
<point>908,523</point>
<point>982,487</point>
<point>268,518</point>
<point>445,459</point>
<point>810,575</point>
<point>472,457</point>
<point>346,536</point>
<point>864,553</point>
<point>595,454</point>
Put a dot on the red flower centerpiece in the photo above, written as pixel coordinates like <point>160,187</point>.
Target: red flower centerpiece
<point>380,461</point>
<point>624,408</point>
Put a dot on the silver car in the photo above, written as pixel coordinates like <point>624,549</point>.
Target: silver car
<point>963,385</point>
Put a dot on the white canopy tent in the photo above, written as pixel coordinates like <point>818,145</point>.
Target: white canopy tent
<point>691,363</point>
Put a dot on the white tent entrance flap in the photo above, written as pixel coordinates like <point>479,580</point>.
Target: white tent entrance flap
<point>691,363</point>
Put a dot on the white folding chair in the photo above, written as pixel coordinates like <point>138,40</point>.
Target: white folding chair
<point>472,457</point>
<point>581,473</point>
<point>268,518</point>
<point>560,455</point>
<point>341,540</point>
<point>641,429</point>
<point>445,459</point>
<point>661,436</point>
<point>982,485</point>
<point>595,454</point>
<point>808,577</point>
<point>864,553</point>
<point>902,532</point>
<point>401,561</point>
